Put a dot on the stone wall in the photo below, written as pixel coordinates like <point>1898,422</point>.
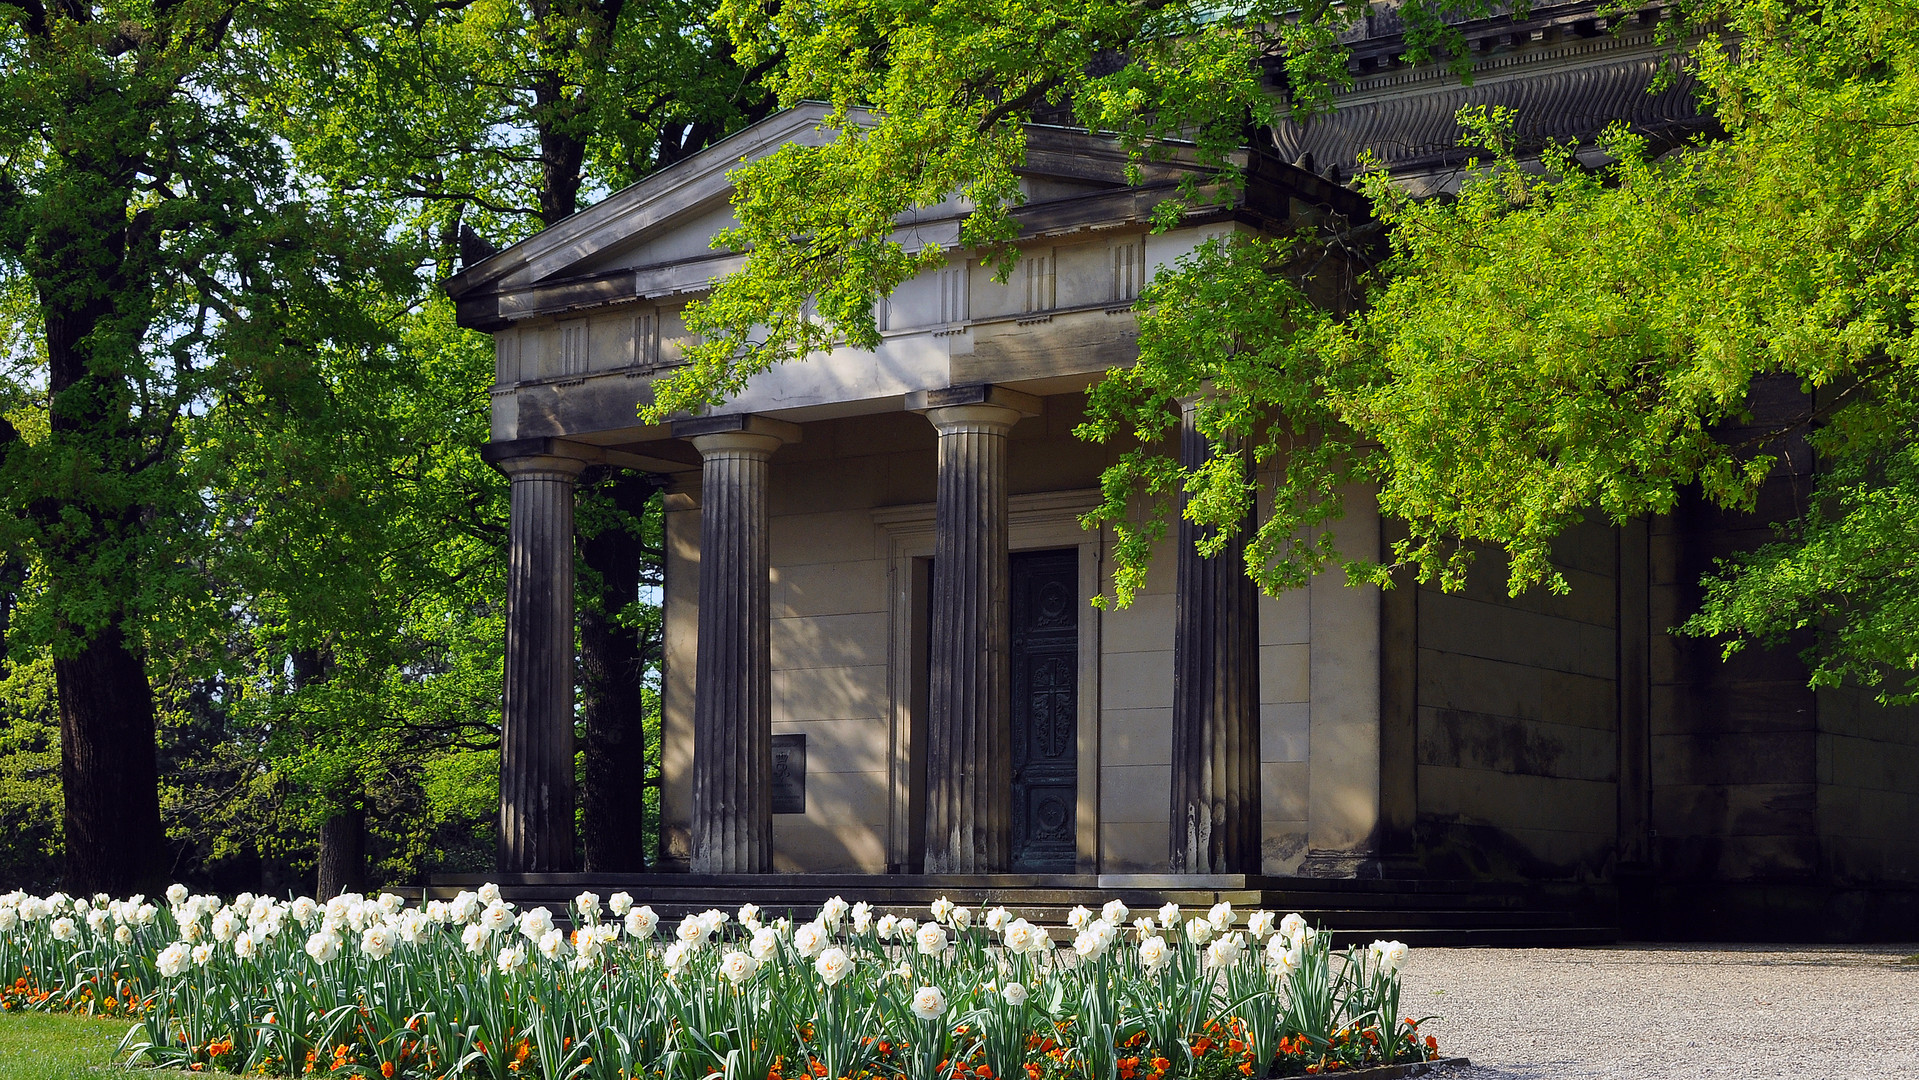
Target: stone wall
<point>1518,720</point>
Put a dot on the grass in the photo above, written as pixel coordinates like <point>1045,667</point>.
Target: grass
<point>42,1046</point>
<point>1913,959</point>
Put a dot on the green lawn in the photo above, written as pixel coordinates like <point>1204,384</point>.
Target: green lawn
<point>39,1046</point>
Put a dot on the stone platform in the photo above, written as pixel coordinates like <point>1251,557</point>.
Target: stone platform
<point>1420,913</point>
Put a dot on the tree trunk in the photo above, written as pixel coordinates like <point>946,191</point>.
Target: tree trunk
<point>342,854</point>
<point>613,680</point>
<point>107,770</point>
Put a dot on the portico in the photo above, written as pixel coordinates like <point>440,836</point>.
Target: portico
<point>876,556</point>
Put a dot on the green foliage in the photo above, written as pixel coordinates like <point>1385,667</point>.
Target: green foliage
<point>928,104</point>
<point>1560,340</point>
<point>30,799</point>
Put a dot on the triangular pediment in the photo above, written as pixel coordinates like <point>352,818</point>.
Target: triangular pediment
<point>654,238</point>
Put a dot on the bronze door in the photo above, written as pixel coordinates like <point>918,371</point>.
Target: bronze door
<point>1045,710</point>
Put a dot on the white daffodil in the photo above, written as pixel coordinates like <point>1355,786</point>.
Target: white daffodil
<point>1015,993</point>
<point>1154,953</point>
<point>489,893</point>
<point>749,916</point>
<point>834,912</point>
<point>1223,953</point>
<point>511,959</point>
<point>1169,916</point>
<point>887,927</point>
<point>64,929</point>
<point>1291,925</point>
<point>942,909</point>
<point>1260,925</point>
<point>765,944</point>
<point>691,930</point>
<point>620,903</point>
<point>377,941</point>
<point>173,959</point>
<point>929,1003</point>
<point>1115,912</point>
<point>931,939</point>
<point>1080,917</point>
<point>641,922</point>
<point>833,965</point>
<point>962,918</point>
<point>997,919</point>
<point>535,924</point>
<point>1222,916</point>
<point>810,939</point>
<point>323,946</point>
<point>1390,954</point>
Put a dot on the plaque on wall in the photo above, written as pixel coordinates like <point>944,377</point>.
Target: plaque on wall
<point>789,774</point>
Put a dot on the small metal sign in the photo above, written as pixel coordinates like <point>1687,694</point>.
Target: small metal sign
<point>789,774</point>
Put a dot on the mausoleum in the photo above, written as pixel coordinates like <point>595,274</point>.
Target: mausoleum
<point>880,654</point>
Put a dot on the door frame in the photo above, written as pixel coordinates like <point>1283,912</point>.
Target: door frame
<point>1037,521</point>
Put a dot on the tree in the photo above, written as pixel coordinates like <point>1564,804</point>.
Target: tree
<point>166,253</point>
<point>1547,346</point>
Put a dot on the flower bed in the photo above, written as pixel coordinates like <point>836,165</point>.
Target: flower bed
<point>474,988</point>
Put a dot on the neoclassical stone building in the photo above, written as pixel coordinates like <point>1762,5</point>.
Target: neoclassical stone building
<point>880,658</point>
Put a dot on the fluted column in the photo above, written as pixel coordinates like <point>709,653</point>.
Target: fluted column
<point>536,743</point>
<point>1215,796</point>
<point>969,740</point>
<point>733,684</point>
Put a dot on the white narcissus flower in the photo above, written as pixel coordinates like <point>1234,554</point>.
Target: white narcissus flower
<point>1199,931</point>
<point>203,954</point>
<point>1143,926</point>
<point>862,917</point>
<point>475,937</point>
<point>191,932</point>
<point>552,944</point>
<point>929,1003</point>
<point>303,910</point>
<point>1080,917</point>
<point>437,911</point>
<point>97,920</point>
<point>1284,957</point>
<point>1260,925</point>
<point>391,903</point>
<point>620,903</point>
<point>931,939</point>
<point>607,932</point>
<point>908,928</point>
<point>1089,944</point>
<point>962,918</point>
<point>833,965</point>
<point>942,909</point>
<point>677,955</point>
<point>810,939</point>
<point>997,919</point>
<point>323,946</point>
<point>465,907</point>
<point>64,929</point>
<point>1115,912</point>
<point>534,924</point>
<point>1390,954</point>
<point>886,927</point>
<point>511,959</point>
<point>691,930</point>
<point>173,959</point>
<point>765,945</point>
<point>712,919</point>
<point>243,946</point>
<point>1223,953</point>
<point>176,894</point>
<point>145,914</point>
<point>123,934</point>
<point>496,917</point>
<point>749,916</point>
<point>224,925</point>
<point>489,893</point>
<point>1154,953</point>
<point>833,912</point>
<point>1169,916</point>
<point>1222,916</point>
<point>588,905</point>
<point>1291,925</point>
<point>9,917</point>
<point>1019,936</point>
<point>641,922</point>
<point>377,941</point>
<point>1015,993</point>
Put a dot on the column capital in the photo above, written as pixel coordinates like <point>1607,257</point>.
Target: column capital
<point>534,466</point>
<point>986,419</point>
<point>736,423</point>
<point>736,444</point>
<point>929,401</point>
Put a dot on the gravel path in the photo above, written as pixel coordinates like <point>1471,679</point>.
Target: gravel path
<point>1652,1011</point>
